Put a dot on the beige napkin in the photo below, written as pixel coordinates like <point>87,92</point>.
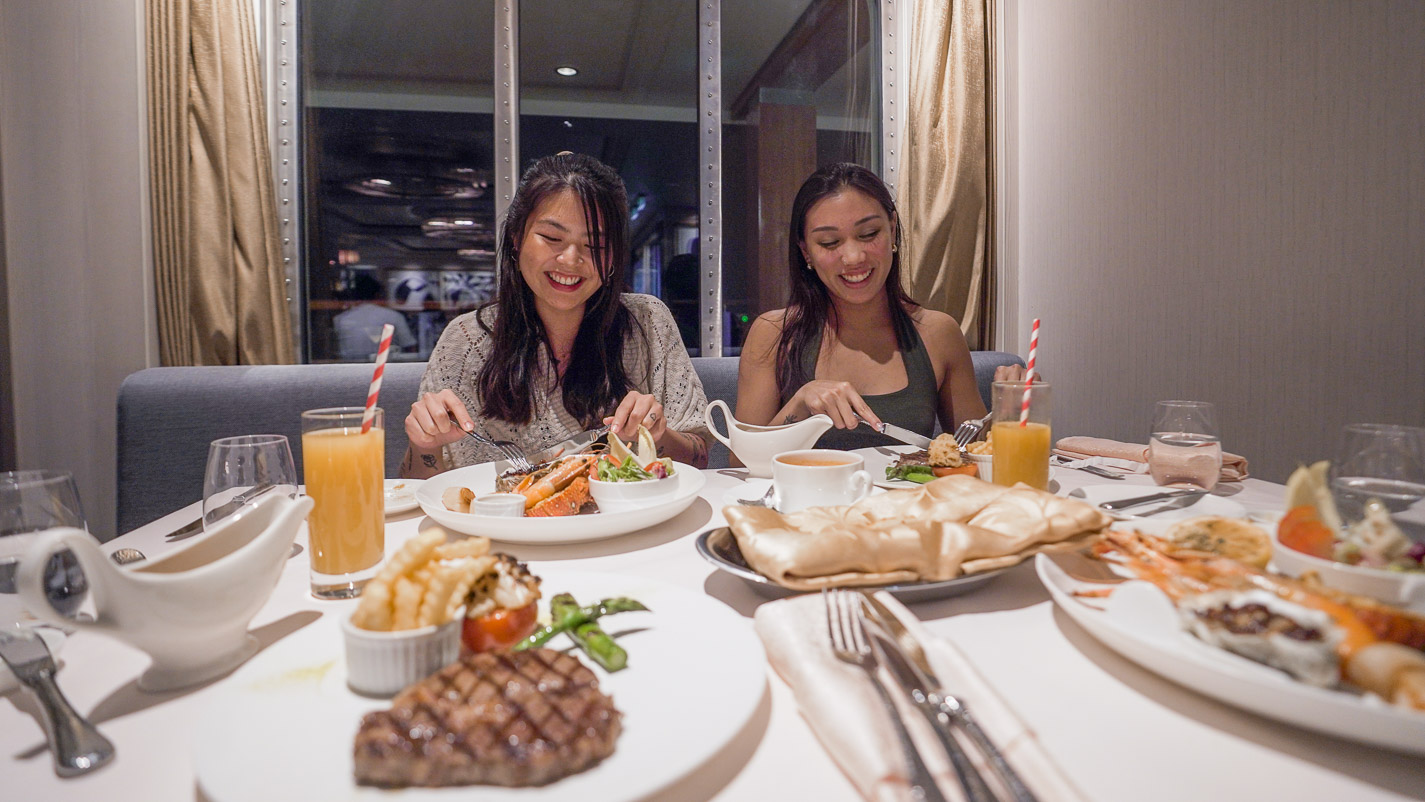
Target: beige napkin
<point>948,527</point>
<point>844,710</point>
<point>1234,466</point>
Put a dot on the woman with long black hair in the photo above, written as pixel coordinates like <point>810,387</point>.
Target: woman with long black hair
<point>851,343</point>
<point>561,349</point>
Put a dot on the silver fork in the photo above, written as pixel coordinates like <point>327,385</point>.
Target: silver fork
<point>510,451</point>
<point>75,745</point>
<point>968,430</point>
<point>848,643</point>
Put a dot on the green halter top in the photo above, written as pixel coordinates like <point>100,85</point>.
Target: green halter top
<point>913,406</point>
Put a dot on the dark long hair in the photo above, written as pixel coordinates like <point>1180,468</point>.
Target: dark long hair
<point>594,381</point>
<point>809,308</point>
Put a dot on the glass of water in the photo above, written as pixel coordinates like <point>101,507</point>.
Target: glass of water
<point>242,469</point>
<point>30,503</point>
<point>1185,447</point>
<point>1384,462</point>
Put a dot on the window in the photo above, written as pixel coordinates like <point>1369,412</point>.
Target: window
<point>398,147</point>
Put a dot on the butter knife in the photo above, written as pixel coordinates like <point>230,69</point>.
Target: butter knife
<point>899,433</point>
<point>970,780</point>
<point>76,746</point>
<point>946,705</point>
<point>1137,501</point>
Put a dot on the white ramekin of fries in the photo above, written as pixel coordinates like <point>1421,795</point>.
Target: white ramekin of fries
<point>407,622</point>
<point>982,453</point>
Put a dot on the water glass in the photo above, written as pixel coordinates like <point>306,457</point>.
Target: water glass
<point>1185,446</point>
<point>1383,462</point>
<point>345,472</point>
<point>30,503</point>
<point>252,464</point>
<point>1021,445</point>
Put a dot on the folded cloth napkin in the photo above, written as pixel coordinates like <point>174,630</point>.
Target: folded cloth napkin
<point>846,715</point>
<point>948,527</point>
<point>1234,466</point>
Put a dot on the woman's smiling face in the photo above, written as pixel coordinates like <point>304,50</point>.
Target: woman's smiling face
<point>555,258</point>
<point>847,241</point>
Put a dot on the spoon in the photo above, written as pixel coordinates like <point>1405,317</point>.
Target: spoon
<point>126,556</point>
<point>764,501</point>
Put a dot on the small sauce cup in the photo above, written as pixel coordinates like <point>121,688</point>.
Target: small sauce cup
<point>505,505</point>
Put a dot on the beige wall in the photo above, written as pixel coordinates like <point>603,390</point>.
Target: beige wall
<point>71,141</point>
<point>1221,201</point>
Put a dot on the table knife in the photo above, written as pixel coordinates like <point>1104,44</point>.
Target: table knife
<point>226,508</point>
<point>945,704</point>
<point>899,433</point>
<point>571,445</point>
<point>76,746</point>
<point>970,780</point>
<point>1125,503</point>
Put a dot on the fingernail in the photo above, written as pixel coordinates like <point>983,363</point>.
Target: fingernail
<point>469,427</point>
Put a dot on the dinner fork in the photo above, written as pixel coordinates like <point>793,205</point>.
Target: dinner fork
<point>510,451</point>
<point>968,430</point>
<point>849,644</point>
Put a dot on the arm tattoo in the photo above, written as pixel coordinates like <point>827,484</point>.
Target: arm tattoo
<point>790,419</point>
<point>428,460</point>
<point>405,468</point>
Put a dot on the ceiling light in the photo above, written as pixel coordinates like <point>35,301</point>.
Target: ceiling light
<point>566,71</point>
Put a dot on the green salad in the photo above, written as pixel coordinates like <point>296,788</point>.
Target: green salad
<point>629,470</point>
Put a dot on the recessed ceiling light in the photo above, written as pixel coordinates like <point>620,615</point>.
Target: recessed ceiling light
<point>566,71</point>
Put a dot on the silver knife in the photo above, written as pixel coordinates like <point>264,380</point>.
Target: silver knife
<point>226,508</point>
<point>1136,501</point>
<point>76,746</point>
<point>899,433</point>
<point>946,705</point>
<point>970,780</point>
<point>571,445</point>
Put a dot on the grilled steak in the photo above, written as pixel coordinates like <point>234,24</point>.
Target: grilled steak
<point>523,718</point>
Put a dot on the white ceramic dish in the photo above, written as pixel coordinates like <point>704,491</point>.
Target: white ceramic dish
<point>1395,587</point>
<point>1140,623</point>
<point>629,496</point>
<point>54,640</point>
<point>688,643</point>
<point>401,495</point>
<point>570,529</point>
<point>878,457</point>
<point>719,547</point>
<point>1205,505</point>
<point>382,663</point>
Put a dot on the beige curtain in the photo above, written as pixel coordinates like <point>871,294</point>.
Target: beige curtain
<point>220,284</point>
<point>945,200</point>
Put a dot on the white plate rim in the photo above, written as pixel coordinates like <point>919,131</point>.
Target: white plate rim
<point>737,670</point>
<point>572,529</point>
<point>401,506</point>
<point>1178,656</point>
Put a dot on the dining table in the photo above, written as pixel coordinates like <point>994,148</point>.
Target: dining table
<point>1118,731</point>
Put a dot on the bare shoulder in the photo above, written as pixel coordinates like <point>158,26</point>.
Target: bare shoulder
<point>763,335</point>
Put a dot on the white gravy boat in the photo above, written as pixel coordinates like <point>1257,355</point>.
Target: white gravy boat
<point>756,445</point>
<point>189,610</point>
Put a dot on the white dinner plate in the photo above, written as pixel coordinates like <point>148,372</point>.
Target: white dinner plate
<point>569,529</point>
<point>1205,505</point>
<point>879,457</point>
<point>282,727</point>
<point>401,495</point>
<point>1140,623</point>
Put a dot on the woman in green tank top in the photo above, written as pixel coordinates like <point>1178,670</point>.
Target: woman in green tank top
<point>851,342</point>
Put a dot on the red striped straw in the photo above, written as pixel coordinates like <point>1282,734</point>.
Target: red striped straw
<point>369,414</point>
<point>1029,374</point>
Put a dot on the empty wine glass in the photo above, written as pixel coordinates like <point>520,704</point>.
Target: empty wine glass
<point>30,503</point>
<point>1383,462</point>
<point>242,469</point>
<point>1185,447</point>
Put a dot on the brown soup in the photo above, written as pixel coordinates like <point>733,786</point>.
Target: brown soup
<point>823,462</point>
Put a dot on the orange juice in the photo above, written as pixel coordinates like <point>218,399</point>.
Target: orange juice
<point>1021,454</point>
<point>344,471</point>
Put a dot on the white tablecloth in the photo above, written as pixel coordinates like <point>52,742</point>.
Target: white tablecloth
<point>1120,732</point>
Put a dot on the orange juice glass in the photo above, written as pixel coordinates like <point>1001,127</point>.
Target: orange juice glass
<point>344,469</point>
<point>1021,449</point>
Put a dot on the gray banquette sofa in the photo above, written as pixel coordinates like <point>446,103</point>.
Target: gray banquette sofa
<point>167,417</point>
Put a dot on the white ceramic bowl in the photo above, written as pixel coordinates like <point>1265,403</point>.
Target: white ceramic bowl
<point>625,496</point>
<point>984,465</point>
<point>1400,588</point>
<point>509,505</point>
<point>383,663</point>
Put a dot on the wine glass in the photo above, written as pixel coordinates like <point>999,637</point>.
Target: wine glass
<point>30,503</point>
<point>1185,448</point>
<point>242,469</point>
<point>1383,462</point>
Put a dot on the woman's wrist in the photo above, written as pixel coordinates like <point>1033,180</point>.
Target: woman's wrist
<point>422,463</point>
